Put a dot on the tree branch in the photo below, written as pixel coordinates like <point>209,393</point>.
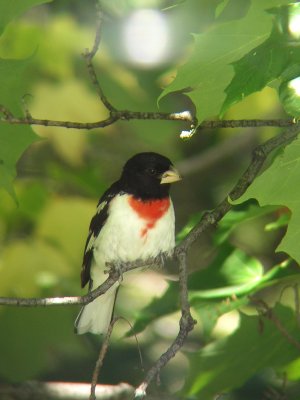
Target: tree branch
<point>126,115</point>
<point>113,276</point>
<point>89,55</point>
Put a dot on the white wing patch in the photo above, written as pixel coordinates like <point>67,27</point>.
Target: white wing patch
<point>91,242</point>
<point>101,206</point>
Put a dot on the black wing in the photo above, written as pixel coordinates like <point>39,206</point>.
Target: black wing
<point>96,225</point>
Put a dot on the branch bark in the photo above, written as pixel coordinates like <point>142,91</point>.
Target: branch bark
<point>127,115</point>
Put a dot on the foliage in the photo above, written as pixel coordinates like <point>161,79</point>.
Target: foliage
<point>243,61</point>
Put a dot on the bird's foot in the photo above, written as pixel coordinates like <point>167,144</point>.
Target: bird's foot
<point>115,266</point>
<point>161,259</point>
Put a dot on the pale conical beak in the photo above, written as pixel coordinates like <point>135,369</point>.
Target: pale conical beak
<point>170,176</point>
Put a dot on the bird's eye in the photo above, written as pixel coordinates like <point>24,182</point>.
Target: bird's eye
<point>151,171</point>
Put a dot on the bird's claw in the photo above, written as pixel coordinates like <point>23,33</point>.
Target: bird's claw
<point>161,259</point>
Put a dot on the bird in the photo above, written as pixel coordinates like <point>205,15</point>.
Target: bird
<point>134,220</point>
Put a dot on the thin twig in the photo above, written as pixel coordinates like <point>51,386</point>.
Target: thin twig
<point>89,55</point>
<point>268,313</point>
<point>121,115</point>
<point>126,115</point>
<point>99,21</point>
<point>100,359</point>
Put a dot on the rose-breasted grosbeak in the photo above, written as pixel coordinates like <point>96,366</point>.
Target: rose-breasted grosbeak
<point>134,220</point>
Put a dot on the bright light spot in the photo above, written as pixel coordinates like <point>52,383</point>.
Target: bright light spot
<point>147,37</point>
<point>187,134</point>
<point>227,324</point>
<point>294,25</point>
<point>295,86</point>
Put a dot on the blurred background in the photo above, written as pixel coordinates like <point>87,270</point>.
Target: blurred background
<point>61,176</point>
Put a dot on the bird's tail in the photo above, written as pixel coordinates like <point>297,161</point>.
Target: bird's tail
<point>96,316</point>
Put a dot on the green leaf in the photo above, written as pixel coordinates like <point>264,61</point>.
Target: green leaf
<point>235,217</point>
<point>232,272</point>
<point>220,366</point>
<point>30,340</point>
<point>193,220</point>
<point>14,139</point>
<point>211,311</point>
<point>279,185</point>
<point>6,177</point>
<point>256,69</point>
<point>159,307</point>
<point>208,72</point>
<point>277,57</point>
<point>10,9</point>
<point>289,95</point>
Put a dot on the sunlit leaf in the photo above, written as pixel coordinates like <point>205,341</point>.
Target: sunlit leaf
<point>289,94</point>
<point>10,9</point>
<point>256,69</point>
<point>210,311</point>
<point>235,217</point>
<point>208,72</point>
<point>279,185</point>
<point>220,366</point>
<point>159,307</point>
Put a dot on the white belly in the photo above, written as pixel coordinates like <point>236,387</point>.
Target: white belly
<point>121,240</point>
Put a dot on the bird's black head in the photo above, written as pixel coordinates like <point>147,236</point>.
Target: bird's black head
<point>148,176</point>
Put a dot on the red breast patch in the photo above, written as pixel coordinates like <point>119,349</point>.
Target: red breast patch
<point>150,210</point>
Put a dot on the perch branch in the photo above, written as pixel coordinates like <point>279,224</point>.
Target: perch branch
<point>113,276</point>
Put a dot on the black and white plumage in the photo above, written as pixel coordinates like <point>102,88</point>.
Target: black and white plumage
<point>134,220</point>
